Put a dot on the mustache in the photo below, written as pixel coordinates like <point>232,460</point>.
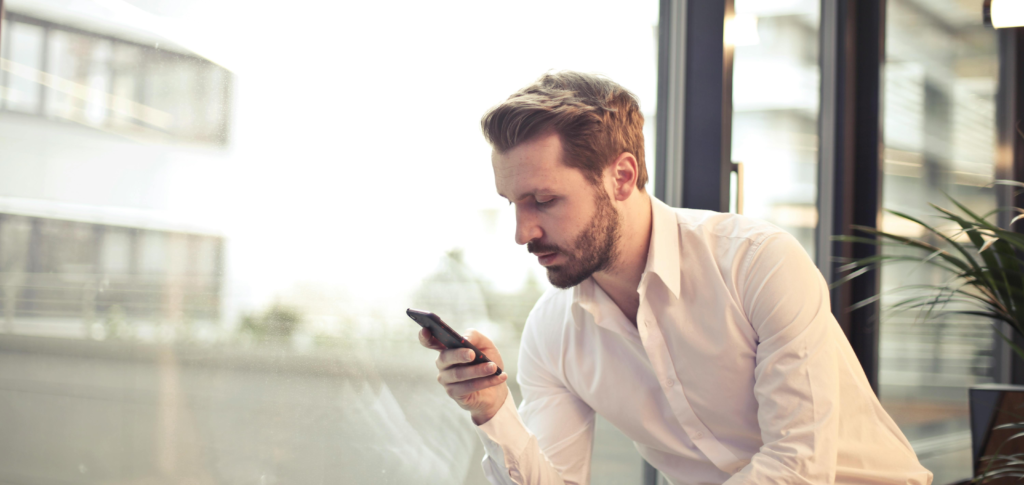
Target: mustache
<point>534,247</point>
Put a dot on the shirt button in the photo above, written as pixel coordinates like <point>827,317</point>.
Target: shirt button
<point>698,435</point>
<point>670,382</point>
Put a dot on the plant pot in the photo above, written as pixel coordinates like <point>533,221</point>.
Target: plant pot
<point>994,405</point>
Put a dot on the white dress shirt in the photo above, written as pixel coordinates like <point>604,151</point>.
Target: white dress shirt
<point>736,372</point>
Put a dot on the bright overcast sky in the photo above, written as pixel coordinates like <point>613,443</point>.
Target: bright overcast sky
<point>356,156</point>
<point>358,151</point>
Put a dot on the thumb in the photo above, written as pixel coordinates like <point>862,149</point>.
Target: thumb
<point>478,339</point>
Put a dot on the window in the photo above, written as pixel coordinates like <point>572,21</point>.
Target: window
<point>940,83</point>
<point>209,235</point>
<point>26,56</point>
<point>775,113</point>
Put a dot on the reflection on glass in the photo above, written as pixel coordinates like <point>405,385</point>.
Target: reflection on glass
<point>209,234</point>
<point>5,35</point>
<point>126,77</point>
<point>939,88</point>
<point>775,113</point>
<point>83,61</point>
<point>26,58</point>
<point>92,78</point>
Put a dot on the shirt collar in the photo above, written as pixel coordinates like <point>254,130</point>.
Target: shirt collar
<point>662,261</point>
<point>663,253</point>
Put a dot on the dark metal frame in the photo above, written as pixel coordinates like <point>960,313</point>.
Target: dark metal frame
<point>832,136</point>
<point>1009,165</point>
<point>694,143</point>
<point>850,160</point>
<point>707,140</point>
<point>669,122</point>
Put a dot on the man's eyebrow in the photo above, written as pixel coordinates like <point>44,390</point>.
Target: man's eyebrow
<point>511,200</point>
<point>534,193</point>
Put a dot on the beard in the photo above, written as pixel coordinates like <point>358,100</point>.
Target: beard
<point>593,250</point>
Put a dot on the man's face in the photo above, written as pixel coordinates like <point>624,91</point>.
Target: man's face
<point>568,223</point>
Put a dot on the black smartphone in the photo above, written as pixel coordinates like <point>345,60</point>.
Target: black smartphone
<point>448,337</point>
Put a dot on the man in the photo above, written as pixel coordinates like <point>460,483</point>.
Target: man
<point>706,338</point>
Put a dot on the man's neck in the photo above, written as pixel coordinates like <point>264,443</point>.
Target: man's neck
<point>622,280</point>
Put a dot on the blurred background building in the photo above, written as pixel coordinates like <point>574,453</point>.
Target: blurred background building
<point>91,118</point>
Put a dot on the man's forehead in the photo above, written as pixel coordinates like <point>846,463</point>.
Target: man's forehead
<point>526,185</point>
<point>530,168</point>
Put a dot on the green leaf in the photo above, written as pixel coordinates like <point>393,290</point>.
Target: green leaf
<point>967,263</point>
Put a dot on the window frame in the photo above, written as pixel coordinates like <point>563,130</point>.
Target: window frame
<point>852,55</point>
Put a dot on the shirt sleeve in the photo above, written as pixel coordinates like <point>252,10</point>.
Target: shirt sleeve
<point>549,440</point>
<point>796,371</point>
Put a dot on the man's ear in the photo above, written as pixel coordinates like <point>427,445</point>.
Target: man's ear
<point>623,173</point>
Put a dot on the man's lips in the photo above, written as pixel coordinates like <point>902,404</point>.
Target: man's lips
<point>545,259</point>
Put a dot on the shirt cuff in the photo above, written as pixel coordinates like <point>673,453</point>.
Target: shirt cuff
<point>505,434</point>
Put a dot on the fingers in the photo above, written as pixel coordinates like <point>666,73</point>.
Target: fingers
<point>485,345</point>
<point>427,340</point>
<point>450,357</point>
<point>460,390</point>
<point>478,339</point>
<point>462,373</point>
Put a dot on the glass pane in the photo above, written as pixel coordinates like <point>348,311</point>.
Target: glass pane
<point>775,112</point>
<point>81,65</point>
<point>939,90</point>
<point>126,77</point>
<point>25,62</point>
<point>15,232</point>
<point>116,250</point>
<point>4,58</point>
<point>210,231</point>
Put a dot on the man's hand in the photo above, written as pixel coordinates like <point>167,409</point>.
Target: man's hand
<point>471,386</point>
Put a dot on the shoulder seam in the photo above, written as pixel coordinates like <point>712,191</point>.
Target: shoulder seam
<point>756,238</point>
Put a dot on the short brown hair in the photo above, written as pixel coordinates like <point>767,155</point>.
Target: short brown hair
<point>597,119</point>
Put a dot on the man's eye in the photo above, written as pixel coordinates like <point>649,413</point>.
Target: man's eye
<point>544,202</point>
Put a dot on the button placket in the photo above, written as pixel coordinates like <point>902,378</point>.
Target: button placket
<point>657,352</point>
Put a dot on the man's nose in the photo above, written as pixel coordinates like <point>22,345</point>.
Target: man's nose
<point>527,228</point>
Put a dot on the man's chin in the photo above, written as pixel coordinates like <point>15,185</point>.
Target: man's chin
<point>559,277</point>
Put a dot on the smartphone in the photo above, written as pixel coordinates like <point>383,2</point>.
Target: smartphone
<point>448,337</point>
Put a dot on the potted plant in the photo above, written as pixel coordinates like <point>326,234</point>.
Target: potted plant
<point>985,278</point>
